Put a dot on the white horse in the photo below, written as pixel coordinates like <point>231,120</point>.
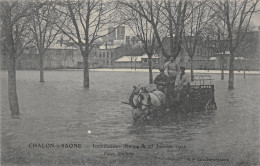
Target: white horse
<point>134,99</point>
<point>146,102</point>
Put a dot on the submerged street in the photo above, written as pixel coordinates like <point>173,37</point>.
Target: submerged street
<point>63,124</point>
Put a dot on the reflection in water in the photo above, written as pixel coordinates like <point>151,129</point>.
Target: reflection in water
<point>61,111</point>
<point>177,125</point>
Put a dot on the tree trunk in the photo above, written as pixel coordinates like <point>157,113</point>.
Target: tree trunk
<point>150,69</point>
<point>244,69</point>
<point>222,67</point>
<point>131,63</point>
<point>13,99</point>
<point>86,71</point>
<point>135,63</point>
<point>12,94</point>
<point>41,67</point>
<point>244,73</point>
<point>191,69</point>
<point>231,71</point>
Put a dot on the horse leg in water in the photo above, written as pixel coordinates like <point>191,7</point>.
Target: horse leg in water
<point>140,113</point>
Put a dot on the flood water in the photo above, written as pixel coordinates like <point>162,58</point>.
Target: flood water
<point>59,111</point>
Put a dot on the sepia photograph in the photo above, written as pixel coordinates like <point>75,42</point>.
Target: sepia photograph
<point>130,82</point>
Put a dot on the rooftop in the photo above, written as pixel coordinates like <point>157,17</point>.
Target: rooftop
<point>104,47</point>
<point>135,58</point>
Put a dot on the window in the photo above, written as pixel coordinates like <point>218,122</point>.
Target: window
<point>145,60</point>
<point>154,61</point>
<point>100,55</point>
<point>111,55</point>
<point>104,54</point>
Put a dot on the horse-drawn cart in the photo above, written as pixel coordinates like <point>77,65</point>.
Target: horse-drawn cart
<point>199,95</point>
<point>146,100</point>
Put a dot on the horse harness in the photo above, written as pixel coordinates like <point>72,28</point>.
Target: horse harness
<point>139,104</point>
<point>149,99</point>
<point>141,97</point>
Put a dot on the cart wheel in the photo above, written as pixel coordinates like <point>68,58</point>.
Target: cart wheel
<point>211,105</point>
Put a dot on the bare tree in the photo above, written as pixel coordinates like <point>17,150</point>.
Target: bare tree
<point>237,15</point>
<point>12,12</point>
<point>176,15</point>
<point>217,36</point>
<point>86,22</point>
<point>221,47</point>
<point>173,15</point>
<point>144,31</point>
<point>44,31</point>
<point>195,24</point>
<point>209,45</point>
<point>247,50</point>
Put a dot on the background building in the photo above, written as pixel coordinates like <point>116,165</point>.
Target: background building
<point>128,52</point>
<point>137,62</point>
<point>120,33</point>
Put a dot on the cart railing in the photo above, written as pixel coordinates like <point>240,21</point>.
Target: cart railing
<point>202,80</point>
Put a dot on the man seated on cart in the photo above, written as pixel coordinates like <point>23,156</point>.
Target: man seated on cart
<point>182,84</point>
<point>161,81</point>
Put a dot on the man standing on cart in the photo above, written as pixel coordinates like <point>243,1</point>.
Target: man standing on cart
<point>171,70</point>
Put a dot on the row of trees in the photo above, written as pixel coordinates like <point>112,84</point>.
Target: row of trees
<point>184,23</point>
<point>37,24</point>
<point>14,16</point>
<point>188,23</point>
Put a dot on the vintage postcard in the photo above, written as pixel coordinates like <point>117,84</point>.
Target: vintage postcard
<point>130,82</point>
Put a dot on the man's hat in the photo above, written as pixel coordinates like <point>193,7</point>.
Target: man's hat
<point>161,69</point>
<point>182,68</point>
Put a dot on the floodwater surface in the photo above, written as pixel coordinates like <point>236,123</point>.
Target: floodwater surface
<point>63,124</point>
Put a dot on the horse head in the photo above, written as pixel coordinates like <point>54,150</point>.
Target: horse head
<point>134,98</point>
<point>154,102</point>
<point>143,101</point>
